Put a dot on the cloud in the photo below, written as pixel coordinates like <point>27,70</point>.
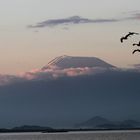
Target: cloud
<point>136,66</point>
<point>56,72</point>
<point>132,15</point>
<point>68,21</point>
<point>9,79</point>
<point>135,16</point>
<point>51,73</point>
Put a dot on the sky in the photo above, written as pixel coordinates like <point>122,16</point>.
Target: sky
<point>33,32</point>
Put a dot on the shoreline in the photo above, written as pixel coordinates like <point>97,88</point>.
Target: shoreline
<point>64,130</point>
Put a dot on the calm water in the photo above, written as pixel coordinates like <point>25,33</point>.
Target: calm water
<point>114,135</point>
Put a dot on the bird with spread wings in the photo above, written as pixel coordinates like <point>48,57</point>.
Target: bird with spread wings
<point>136,44</point>
<point>128,35</point>
<point>137,50</point>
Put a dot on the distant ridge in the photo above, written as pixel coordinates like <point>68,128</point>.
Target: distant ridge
<point>75,62</point>
<point>98,122</point>
<point>31,128</point>
<point>93,122</point>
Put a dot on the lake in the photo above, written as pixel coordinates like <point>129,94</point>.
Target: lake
<point>98,135</point>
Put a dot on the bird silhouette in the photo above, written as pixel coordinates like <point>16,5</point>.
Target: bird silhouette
<point>133,33</point>
<point>136,44</point>
<point>138,50</point>
<point>126,37</point>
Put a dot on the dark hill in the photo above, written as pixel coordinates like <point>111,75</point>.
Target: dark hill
<point>93,122</point>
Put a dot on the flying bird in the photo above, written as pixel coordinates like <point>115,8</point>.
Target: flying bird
<point>133,33</point>
<point>138,50</point>
<point>136,44</point>
<point>126,37</point>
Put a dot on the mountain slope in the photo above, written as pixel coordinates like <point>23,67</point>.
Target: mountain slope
<point>93,122</point>
<point>102,123</point>
<point>75,62</point>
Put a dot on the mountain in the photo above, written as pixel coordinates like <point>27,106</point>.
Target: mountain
<point>126,124</point>
<point>65,101</point>
<point>93,122</point>
<point>131,123</point>
<point>64,62</point>
<point>102,123</point>
<point>31,128</point>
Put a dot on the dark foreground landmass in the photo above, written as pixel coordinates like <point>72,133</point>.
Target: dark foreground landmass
<point>27,128</point>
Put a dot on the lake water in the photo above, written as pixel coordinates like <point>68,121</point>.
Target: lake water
<point>106,135</point>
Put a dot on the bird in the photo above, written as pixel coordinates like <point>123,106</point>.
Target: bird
<point>123,38</point>
<point>138,50</point>
<point>133,33</point>
<point>126,37</point>
<point>136,44</point>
